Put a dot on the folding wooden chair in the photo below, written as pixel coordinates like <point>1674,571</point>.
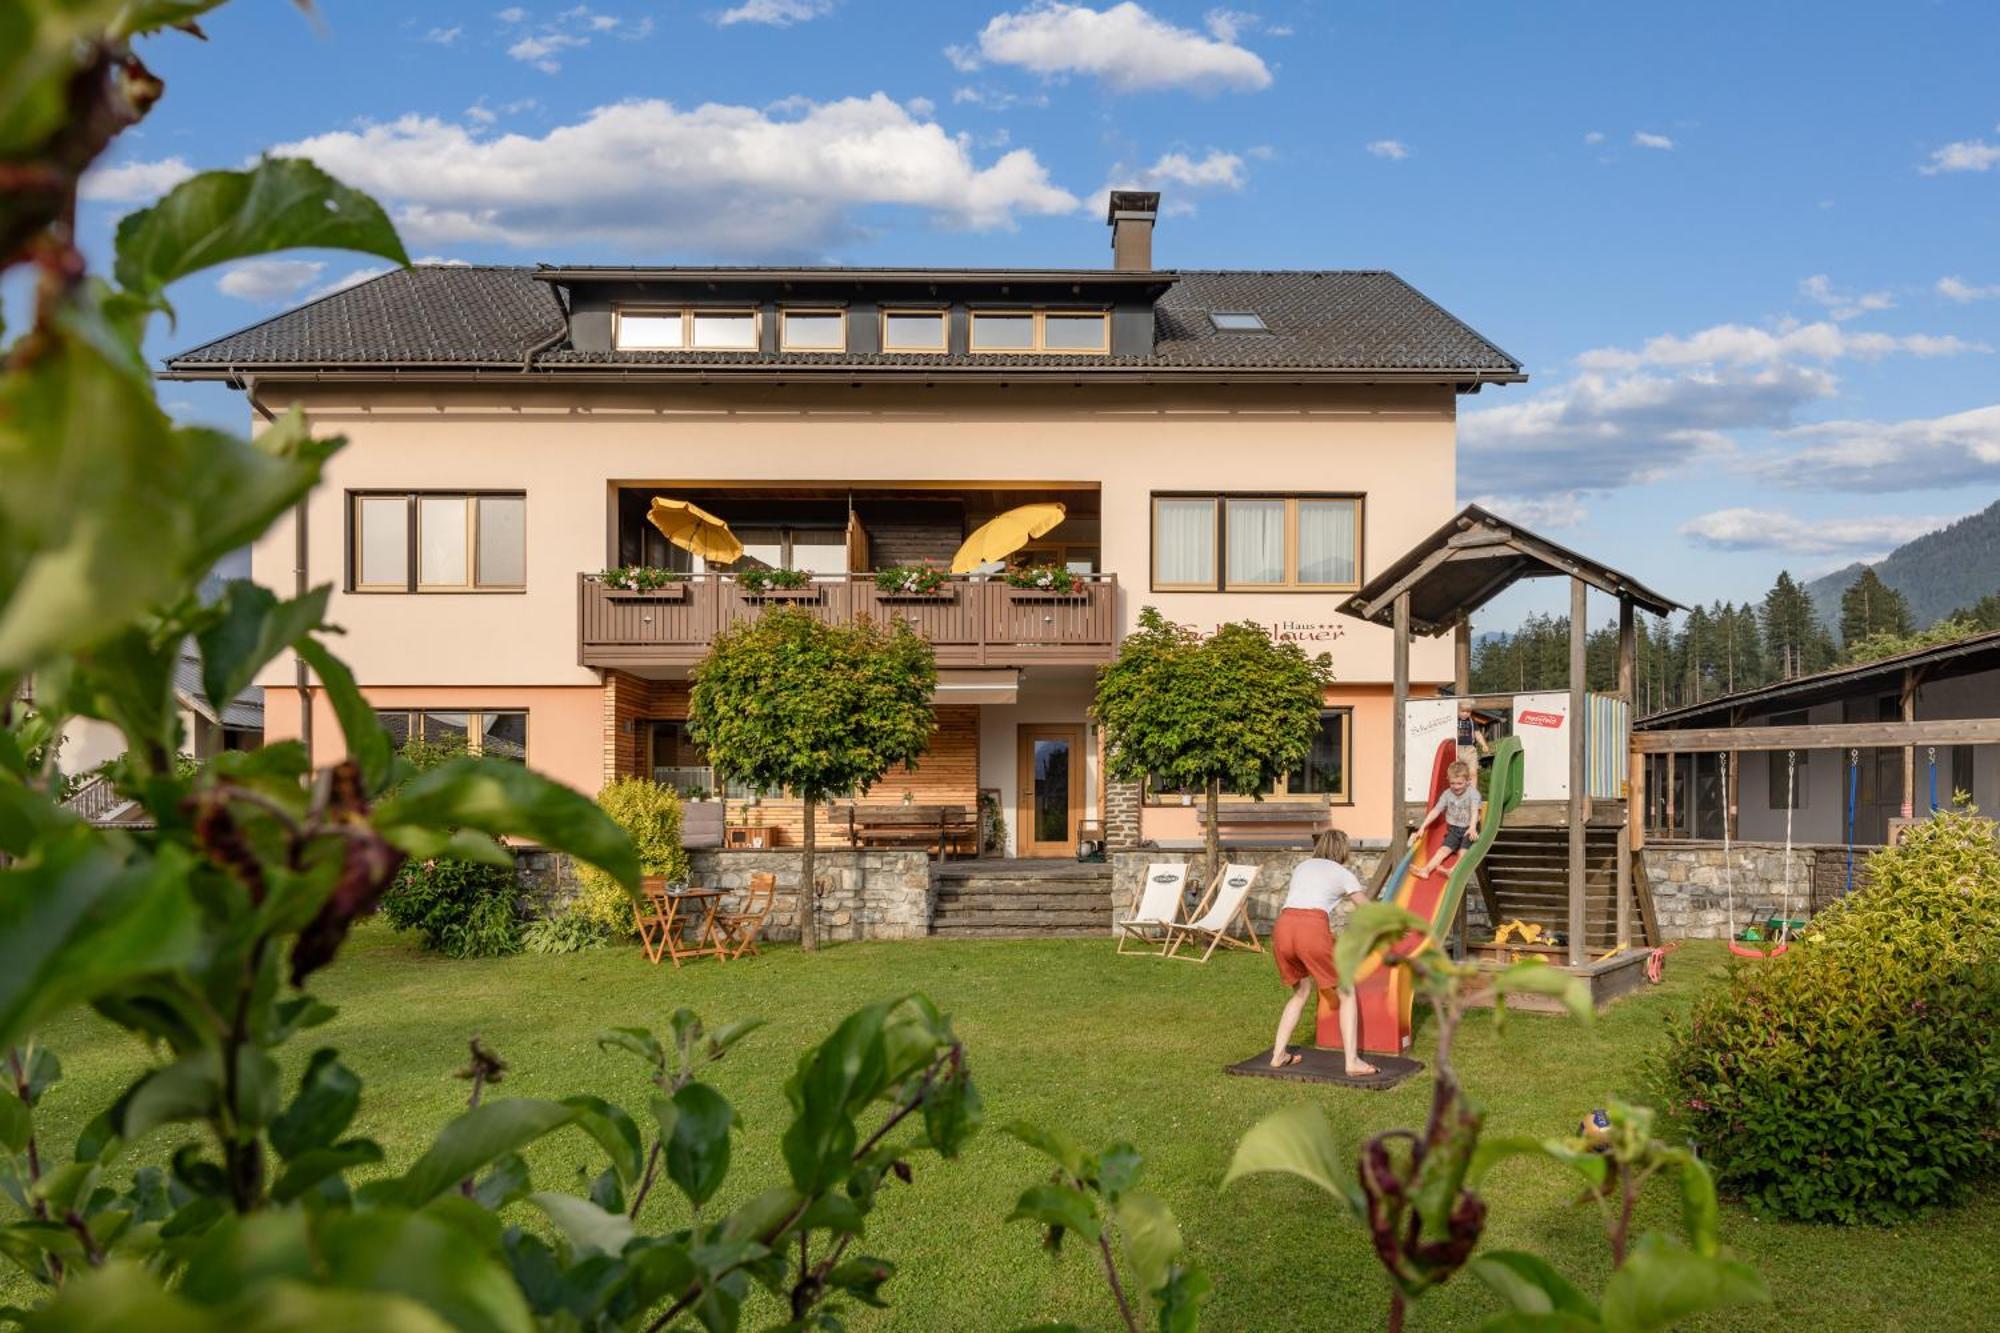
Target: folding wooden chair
<point>653,921</point>
<point>1155,909</point>
<point>739,929</point>
<point>1227,905</point>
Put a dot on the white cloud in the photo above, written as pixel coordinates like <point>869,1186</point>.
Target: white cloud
<point>653,179</point>
<point>921,107</point>
<point>540,49</point>
<point>1537,511</point>
<point>268,280</point>
<point>1594,137</point>
<point>1745,345</point>
<point>512,14</point>
<point>133,182</point>
<point>775,13</point>
<point>1962,449</point>
<point>1641,139</point>
<point>1393,149</point>
<point>1601,432</point>
<point>444,36</point>
<point>996,99</point>
<point>1125,47</point>
<point>1819,288</point>
<point>1965,155</point>
<point>1215,170</point>
<point>1745,529</point>
<point>1958,289</point>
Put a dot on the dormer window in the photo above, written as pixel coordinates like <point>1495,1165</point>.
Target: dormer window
<point>1238,321</point>
<point>696,328</point>
<point>1082,332</point>
<point>913,331</point>
<point>812,331</point>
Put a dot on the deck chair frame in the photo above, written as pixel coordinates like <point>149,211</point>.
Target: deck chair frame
<point>1153,931</point>
<point>1222,932</point>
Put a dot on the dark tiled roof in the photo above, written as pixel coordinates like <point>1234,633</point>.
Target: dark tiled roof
<point>1318,321</point>
<point>429,315</point>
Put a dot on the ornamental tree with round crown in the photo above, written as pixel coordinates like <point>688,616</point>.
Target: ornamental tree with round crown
<point>786,703</point>
<point>1232,710</point>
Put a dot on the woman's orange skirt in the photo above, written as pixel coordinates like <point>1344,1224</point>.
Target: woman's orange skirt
<point>1302,942</point>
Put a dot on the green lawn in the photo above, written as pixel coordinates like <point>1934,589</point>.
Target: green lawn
<point>1064,1033</point>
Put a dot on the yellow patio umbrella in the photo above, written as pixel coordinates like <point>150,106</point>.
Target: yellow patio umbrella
<point>695,530</point>
<point>1000,537</point>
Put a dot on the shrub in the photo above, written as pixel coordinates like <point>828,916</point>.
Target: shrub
<point>1855,1078</point>
<point>462,909</point>
<point>567,931</point>
<point>650,814</point>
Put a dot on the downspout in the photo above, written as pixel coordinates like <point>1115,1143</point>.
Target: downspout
<point>302,682</point>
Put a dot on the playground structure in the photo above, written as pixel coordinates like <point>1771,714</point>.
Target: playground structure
<point>1559,841</point>
<point>1385,993</point>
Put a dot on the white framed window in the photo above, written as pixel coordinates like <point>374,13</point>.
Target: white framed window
<point>497,733</point>
<point>812,330</point>
<point>1184,541</point>
<point>914,331</point>
<point>1256,542</point>
<point>722,330</point>
<point>691,328</point>
<point>648,330</point>
<point>1082,332</point>
<point>438,541</point>
<point>1238,321</point>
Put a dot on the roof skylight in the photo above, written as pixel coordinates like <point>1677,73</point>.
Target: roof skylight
<point>1237,321</point>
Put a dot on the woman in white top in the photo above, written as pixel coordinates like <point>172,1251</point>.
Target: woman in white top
<point>1322,893</point>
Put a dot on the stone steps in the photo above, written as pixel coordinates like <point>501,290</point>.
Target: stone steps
<point>1012,901</point>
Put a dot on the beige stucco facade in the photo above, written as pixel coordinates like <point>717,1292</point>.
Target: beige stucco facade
<point>565,448</point>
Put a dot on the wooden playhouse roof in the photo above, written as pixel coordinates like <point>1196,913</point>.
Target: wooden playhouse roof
<point>1471,560</point>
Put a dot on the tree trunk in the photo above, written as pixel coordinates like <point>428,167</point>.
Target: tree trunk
<point>1214,837</point>
<point>808,932</point>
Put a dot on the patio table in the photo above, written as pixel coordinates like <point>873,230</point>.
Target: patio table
<point>673,910</point>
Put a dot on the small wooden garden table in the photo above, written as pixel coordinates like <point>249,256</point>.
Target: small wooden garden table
<point>671,912</point>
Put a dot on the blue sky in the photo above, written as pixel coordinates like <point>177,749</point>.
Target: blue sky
<point>1749,253</point>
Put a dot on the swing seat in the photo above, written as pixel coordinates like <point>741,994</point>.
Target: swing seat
<point>1752,951</point>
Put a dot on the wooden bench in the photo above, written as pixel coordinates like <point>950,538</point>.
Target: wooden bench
<point>1278,817</point>
<point>942,830</point>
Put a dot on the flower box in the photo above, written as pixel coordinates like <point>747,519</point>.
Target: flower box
<point>673,592</point>
<point>811,594</point>
<point>944,594</point>
<point>1080,593</point>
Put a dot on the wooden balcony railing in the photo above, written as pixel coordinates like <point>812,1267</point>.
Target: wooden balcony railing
<point>970,622</point>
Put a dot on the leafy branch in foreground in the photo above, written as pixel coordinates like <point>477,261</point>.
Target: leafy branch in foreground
<point>1417,1193</point>
<point>1138,1242</point>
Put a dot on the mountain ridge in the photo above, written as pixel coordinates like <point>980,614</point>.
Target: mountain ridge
<point>1938,573</point>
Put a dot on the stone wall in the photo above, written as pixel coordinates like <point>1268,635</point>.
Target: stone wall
<point>1121,814</point>
<point>870,895</point>
<point>1691,893</point>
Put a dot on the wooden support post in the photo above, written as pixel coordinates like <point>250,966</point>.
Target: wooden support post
<point>1579,777</point>
<point>1909,751</point>
<point>1673,815</point>
<point>1624,888</point>
<point>1732,796</point>
<point>1399,707</point>
<point>1635,763</point>
<point>1461,658</point>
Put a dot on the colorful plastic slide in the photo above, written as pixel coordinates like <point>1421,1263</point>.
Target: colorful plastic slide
<point>1385,992</point>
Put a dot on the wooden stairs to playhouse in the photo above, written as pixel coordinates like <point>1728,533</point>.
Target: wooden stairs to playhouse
<point>1526,877</point>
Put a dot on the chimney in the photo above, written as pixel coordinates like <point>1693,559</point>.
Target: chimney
<point>1131,216</point>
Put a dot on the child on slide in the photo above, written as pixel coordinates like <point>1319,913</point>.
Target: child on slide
<point>1459,808</point>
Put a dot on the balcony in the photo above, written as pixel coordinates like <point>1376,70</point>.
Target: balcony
<point>971,622</point>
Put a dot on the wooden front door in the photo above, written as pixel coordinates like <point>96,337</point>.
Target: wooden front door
<point>1051,790</point>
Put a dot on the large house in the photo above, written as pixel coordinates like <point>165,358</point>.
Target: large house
<point>1228,445</point>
